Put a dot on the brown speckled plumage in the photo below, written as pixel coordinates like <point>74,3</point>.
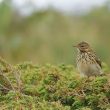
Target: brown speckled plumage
<point>88,63</point>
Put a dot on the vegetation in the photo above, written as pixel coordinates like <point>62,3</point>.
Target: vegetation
<point>33,87</point>
<point>48,36</point>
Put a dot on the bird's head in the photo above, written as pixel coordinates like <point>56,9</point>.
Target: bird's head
<point>83,47</point>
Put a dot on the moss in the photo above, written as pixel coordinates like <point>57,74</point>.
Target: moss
<point>52,87</point>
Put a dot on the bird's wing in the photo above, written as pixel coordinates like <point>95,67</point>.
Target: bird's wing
<point>98,61</point>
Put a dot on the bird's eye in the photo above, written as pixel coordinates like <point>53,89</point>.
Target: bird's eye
<point>82,45</point>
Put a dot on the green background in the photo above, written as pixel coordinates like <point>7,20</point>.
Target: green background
<point>48,36</point>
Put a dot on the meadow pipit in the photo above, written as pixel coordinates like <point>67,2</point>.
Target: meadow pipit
<point>88,63</point>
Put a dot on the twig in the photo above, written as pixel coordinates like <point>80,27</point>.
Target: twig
<point>7,80</point>
<point>16,73</point>
<point>4,87</point>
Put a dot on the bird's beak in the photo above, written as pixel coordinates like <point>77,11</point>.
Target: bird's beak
<point>75,46</point>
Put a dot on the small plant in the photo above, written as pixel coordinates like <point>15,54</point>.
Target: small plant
<point>30,87</point>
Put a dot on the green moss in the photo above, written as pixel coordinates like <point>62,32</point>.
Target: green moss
<point>52,87</point>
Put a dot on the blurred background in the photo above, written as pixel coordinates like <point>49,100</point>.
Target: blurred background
<point>43,31</point>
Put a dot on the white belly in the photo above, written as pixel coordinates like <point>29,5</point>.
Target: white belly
<point>89,69</point>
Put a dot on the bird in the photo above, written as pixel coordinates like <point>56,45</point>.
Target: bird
<point>88,63</point>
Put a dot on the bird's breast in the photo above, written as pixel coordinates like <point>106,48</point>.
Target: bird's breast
<point>87,65</point>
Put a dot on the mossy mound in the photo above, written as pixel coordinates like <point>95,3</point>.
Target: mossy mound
<point>31,87</point>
